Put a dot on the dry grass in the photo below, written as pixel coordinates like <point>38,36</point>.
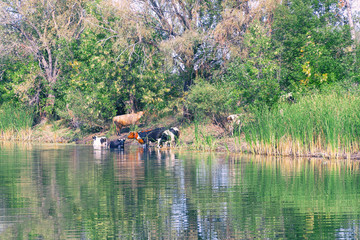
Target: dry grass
<point>43,132</point>
<point>53,132</point>
<point>13,135</point>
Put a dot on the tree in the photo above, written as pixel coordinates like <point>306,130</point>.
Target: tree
<point>42,29</point>
<point>114,69</point>
<point>350,19</point>
<point>184,28</point>
<point>313,44</point>
<point>256,75</point>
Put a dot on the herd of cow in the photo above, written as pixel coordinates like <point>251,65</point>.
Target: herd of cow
<point>160,136</point>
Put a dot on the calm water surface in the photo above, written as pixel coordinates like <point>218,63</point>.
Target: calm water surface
<point>76,192</point>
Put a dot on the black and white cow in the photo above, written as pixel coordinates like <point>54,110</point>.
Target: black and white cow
<point>118,143</point>
<point>169,137</point>
<point>99,142</point>
<point>144,137</point>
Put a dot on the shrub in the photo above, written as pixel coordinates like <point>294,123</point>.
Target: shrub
<point>206,100</point>
<point>88,111</point>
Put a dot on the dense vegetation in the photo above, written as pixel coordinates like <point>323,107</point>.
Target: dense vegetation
<point>320,122</point>
<point>87,61</point>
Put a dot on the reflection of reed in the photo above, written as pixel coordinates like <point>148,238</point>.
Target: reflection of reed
<point>18,145</point>
<point>294,166</point>
<point>187,196</point>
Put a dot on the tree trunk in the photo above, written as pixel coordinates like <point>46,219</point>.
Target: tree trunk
<point>189,76</point>
<point>48,109</point>
<point>351,22</point>
<point>352,28</point>
<point>51,74</point>
<point>132,102</point>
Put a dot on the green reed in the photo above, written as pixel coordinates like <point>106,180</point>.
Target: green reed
<point>15,119</point>
<point>202,139</point>
<point>316,123</point>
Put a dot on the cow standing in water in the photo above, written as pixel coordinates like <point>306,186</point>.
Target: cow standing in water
<point>169,137</point>
<point>118,143</point>
<point>99,142</point>
<point>144,137</point>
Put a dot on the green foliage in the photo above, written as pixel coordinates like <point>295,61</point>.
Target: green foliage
<point>206,100</point>
<point>121,61</point>
<point>101,81</point>
<point>314,44</point>
<point>22,81</point>
<point>87,91</point>
<point>255,77</point>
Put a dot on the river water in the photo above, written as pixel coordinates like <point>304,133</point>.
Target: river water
<point>51,191</point>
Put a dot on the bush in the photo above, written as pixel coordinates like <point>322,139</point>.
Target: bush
<point>87,111</point>
<point>206,100</point>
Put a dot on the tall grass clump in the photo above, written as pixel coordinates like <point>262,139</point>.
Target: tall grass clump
<point>202,139</point>
<point>318,124</point>
<point>15,122</point>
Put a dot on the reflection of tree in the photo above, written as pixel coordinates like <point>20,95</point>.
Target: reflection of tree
<point>304,194</point>
<point>64,192</point>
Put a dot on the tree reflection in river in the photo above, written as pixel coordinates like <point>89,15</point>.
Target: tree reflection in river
<point>76,192</point>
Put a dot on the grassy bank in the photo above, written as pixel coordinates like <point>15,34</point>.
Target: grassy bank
<point>318,125</point>
<point>15,123</point>
<point>322,124</point>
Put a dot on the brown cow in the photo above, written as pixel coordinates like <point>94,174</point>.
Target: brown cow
<point>126,120</point>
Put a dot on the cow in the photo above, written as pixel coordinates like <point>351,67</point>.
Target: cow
<point>169,137</point>
<point>233,121</point>
<point>118,143</point>
<point>144,137</point>
<point>99,142</point>
<point>126,120</point>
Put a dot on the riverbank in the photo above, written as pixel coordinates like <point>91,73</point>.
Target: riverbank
<point>205,137</point>
<point>320,125</point>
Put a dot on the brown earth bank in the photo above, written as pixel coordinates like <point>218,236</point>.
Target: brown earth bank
<point>202,137</point>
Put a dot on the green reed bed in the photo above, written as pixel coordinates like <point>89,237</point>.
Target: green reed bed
<point>315,124</point>
<point>15,123</point>
<point>202,140</point>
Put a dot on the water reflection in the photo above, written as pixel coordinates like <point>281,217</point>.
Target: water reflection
<point>77,192</point>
